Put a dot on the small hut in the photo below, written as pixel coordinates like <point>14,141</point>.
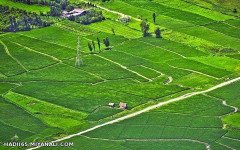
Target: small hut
<point>111,104</point>
<point>123,105</point>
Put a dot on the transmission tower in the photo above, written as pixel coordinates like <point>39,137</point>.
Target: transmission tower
<point>79,61</point>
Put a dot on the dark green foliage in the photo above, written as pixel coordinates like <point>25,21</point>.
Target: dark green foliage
<point>99,44</point>
<point>91,16</point>
<point>113,31</point>
<point>158,33</point>
<point>145,28</point>
<point>70,7</point>
<point>154,18</point>
<point>14,20</point>
<point>106,42</point>
<point>90,47</point>
<point>235,10</point>
<point>94,47</point>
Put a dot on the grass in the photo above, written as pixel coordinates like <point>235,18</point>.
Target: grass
<point>102,113</point>
<point>59,52</point>
<point>11,122</point>
<point>200,67</point>
<point>56,98</point>
<point>26,57</point>
<point>182,49</point>
<point>228,93</point>
<point>145,71</point>
<point>195,9</point>
<point>225,29</point>
<point>220,62</point>
<point>29,8</point>
<point>233,120</point>
<point>203,106</point>
<point>9,66</point>
<point>53,115</point>
<point>56,73</point>
<point>195,80</point>
<point>4,87</point>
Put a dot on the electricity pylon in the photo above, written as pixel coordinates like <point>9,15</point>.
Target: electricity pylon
<point>79,61</point>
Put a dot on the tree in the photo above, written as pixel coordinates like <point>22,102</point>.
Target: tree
<point>145,28</point>
<point>113,31</point>
<point>27,26</point>
<point>15,138</point>
<point>94,47</point>
<point>154,18</point>
<point>106,42</point>
<point>99,45</point>
<point>90,47</point>
<point>158,33</point>
<point>235,10</point>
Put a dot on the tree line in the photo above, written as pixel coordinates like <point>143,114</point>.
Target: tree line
<point>92,45</point>
<point>19,20</point>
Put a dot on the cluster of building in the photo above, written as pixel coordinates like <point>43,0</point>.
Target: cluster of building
<point>121,105</point>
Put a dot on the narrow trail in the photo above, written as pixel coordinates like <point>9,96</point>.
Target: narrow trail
<point>124,67</point>
<point>143,140</point>
<point>28,48</point>
<point>163,49</point>
<point>146,110</point>
<point>235,108</point>
<point>170,79</point>
<point>226,146</point>
<point>46,41</point>
<point>194,72</point>
<point>9,54</point>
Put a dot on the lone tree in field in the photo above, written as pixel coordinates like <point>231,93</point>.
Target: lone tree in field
<point>106,42</point>
<point>94,47</point>
<point>99,45</point>
<point>154,18</point>
<point>158,33</point>
<point>145,28</point>
<point>79,61</point>
<point>90,47</point>
<point>15,138</point>
<point>113,31</point>
<point>235,10</point>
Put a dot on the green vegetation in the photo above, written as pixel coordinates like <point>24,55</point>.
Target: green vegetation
<point>138,52</point>
<point>14,20</point>
<point>29,8</point>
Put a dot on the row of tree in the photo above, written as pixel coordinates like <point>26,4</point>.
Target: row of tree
<point>92,45</point>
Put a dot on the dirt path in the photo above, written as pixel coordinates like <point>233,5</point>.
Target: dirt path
<point>9,54</point>
<point>163,49</point>
<point>194,72</point>
<point>146,110</point>
<point>28,48</point>
<point>235,108</point>
<point>124,67</point>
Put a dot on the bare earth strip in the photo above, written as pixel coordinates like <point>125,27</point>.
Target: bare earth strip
<point>146,110</point>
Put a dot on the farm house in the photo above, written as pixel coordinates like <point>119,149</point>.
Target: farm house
<point>123,105</point>
<point>111,104</point>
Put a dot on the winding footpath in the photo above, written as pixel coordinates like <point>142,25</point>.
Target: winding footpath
<point>146,110</point>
